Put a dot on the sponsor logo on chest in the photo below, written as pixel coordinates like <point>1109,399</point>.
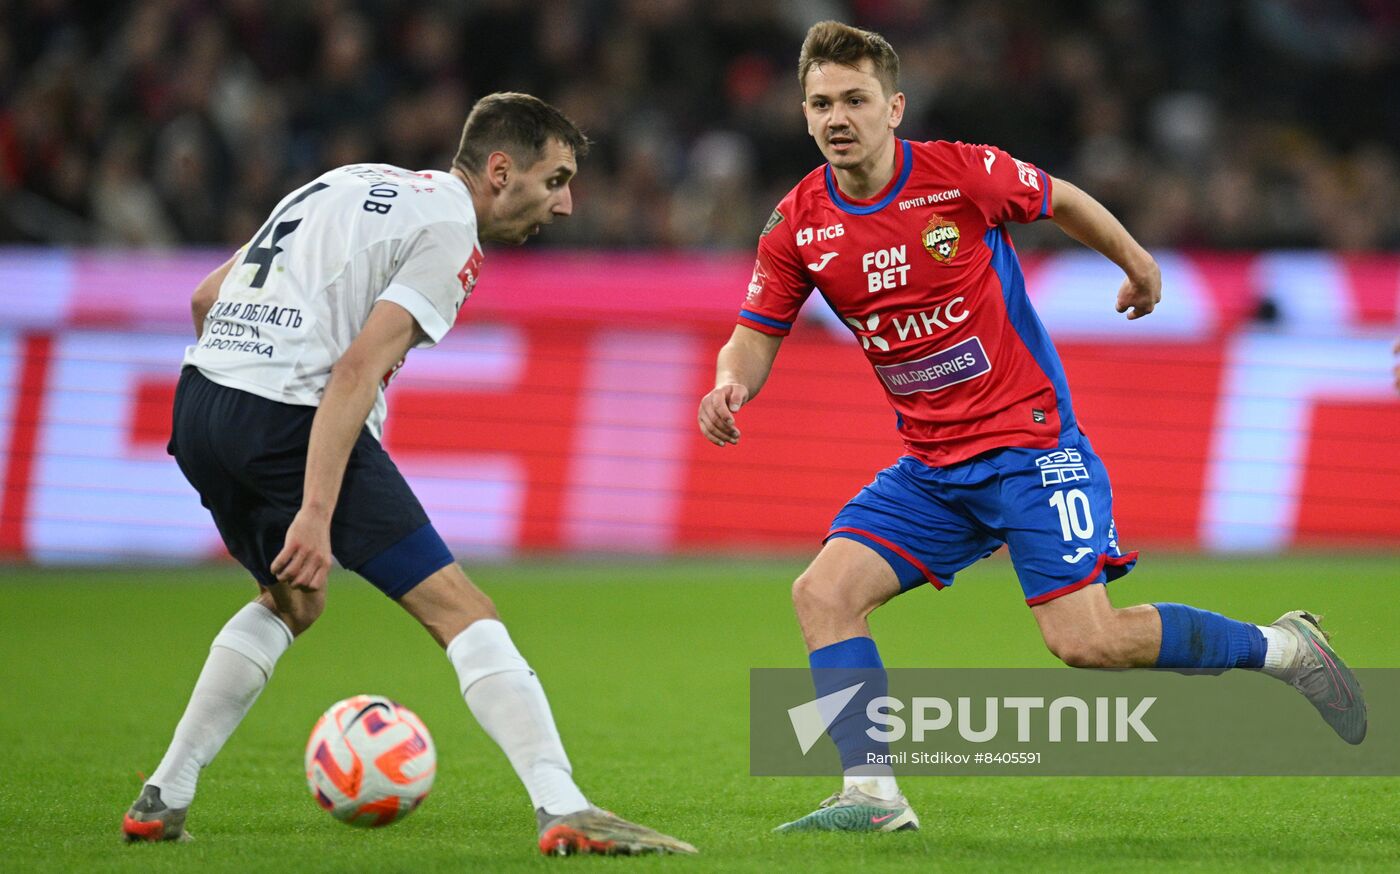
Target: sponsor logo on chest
<point>927,199</point>
<point>945,368</point>
<point>808,236</point>
<point>885,268</point>
<point>885,333</point>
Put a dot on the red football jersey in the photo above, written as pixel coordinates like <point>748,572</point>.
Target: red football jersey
<point>925,276</point>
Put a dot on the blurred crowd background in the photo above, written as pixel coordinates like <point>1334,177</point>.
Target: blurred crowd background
<point>1221,123</point>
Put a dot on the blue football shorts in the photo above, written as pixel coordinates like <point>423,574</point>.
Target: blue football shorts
<point>246,456</point>
<point>1053,508</point>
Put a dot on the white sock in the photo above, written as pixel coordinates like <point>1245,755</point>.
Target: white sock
<point>880,786</point>
<point>507,699</point>
<point>240,663</point>
<point>1280,648</point>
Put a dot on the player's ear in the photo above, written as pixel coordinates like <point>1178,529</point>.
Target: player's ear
<point>897,109</point>
<point>498,169</point>
<point>807,118</point>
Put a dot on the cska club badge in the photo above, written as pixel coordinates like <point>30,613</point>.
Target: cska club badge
<point>940,238</point>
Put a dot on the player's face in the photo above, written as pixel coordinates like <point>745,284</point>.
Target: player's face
<point>534,196</point>
<point>849,114</point>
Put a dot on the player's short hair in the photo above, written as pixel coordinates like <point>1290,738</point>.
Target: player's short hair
<point>836,43</point>
<point>519,125</point>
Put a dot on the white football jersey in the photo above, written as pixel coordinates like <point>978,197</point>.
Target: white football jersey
<point>300,292</point>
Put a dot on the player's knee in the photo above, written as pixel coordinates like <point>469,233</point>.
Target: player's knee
<point>1080,651</point>
<point>814,594</point>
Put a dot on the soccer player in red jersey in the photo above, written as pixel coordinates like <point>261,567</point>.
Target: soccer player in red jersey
<point>908,243</point>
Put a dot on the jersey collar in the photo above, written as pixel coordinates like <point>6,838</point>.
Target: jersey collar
<point>449,178</point>
<point>891,191</point>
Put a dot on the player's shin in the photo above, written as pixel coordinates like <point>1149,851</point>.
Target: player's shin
<point>240,663</point>
<point>507,699</point>
<point>849,664</point>
<point>1194,639</point>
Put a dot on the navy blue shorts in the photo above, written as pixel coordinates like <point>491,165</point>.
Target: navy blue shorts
<point>246,456</point>
<point>1052,507</point>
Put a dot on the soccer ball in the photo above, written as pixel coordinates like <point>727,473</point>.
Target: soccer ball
<point>370,761</point>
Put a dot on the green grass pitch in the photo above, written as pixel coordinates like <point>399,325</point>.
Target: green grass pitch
<point>646,667</point>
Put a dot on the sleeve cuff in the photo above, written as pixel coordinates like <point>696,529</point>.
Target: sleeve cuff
<point>764,324</point>
<point>429,319</point>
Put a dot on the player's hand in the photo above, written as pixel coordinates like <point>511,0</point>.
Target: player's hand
<point>1141,293</point>
<point>305,559</point>
<point>717,411</point>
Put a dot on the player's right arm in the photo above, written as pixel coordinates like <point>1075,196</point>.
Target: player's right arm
<point>417,308</point>
<point>207,292</point>
<point>775,294</point>
<point>743,366</point>
<point>388,334</point>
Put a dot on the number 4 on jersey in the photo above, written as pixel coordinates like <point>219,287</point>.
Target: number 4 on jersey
<point>262,255</point>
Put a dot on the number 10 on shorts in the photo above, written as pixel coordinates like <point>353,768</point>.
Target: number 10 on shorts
<point>1076,521</point>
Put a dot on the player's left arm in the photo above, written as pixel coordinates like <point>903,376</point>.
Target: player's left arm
<point>1089,222</point>
<point>207,292</point>
<point>388,334</point>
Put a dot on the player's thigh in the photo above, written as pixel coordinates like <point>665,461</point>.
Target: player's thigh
<point>446,603</point>
<point>1058,512</point>
<point>1079,616</point>
<point>1085,630</point>
<point>847,578</point>
<point>216,434</point>
<point>913,522</point>
<point>379,529</point>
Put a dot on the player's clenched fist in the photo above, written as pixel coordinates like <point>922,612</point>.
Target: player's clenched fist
<point>1141,293</point>
<point>717,411</point>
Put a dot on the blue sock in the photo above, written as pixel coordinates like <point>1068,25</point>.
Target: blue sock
<point>840,666</point>
<point>1193,638</point>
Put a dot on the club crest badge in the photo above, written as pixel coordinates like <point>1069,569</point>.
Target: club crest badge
<point>940,238</point>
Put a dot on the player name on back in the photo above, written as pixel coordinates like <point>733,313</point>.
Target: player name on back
<point>298,294</point>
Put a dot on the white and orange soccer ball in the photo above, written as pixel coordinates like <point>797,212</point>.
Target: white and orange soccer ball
<point>370,761</point>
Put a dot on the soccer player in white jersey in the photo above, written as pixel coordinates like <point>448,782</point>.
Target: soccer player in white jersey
<point>277,418</point>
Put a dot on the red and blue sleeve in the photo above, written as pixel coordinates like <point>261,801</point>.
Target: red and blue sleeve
<point>1004,188</point>
<point>779,285</point>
